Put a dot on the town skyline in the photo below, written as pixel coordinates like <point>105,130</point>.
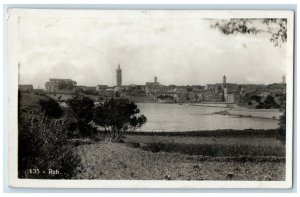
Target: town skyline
<point>155,78</point>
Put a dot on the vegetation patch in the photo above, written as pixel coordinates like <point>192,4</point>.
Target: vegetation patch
<point>217,150</point>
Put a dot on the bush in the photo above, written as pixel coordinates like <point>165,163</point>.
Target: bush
<point>216,150</point>
<point>51,108</point>
<point>282,122</point>
<point>43,145</point>
<point>118,115</point>
<point>282,128</point>
<point>270,102</point>
<point>82,110</point>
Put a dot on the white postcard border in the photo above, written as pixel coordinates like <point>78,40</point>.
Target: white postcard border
<point>14,181</point>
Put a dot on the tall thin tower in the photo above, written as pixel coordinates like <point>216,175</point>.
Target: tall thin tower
<point>119,76</point>
<point>224,80</point>
<point>283,79</point>
<point>155,79</point>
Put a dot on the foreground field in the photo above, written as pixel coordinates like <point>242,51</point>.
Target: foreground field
<point>129,160</point>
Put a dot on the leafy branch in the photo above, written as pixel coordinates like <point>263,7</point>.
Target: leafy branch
<point>276,27</point>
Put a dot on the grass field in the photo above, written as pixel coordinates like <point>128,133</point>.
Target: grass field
<point>115,161</point>
<point>184,158</point>
<point>213,146</point>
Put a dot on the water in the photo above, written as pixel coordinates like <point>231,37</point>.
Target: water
<point>174,117</point>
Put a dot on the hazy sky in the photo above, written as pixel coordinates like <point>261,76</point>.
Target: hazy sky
<point>177,49</point>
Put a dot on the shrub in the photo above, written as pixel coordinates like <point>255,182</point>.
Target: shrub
<point>43,145</point>
<point>270,102</point>
<point>82,110</point>
<point>217,150</point>
<point>282,127</point>
<point>282,121</point>
<point>51,108</point>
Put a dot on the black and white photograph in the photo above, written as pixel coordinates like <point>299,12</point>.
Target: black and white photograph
<point>150,98</point>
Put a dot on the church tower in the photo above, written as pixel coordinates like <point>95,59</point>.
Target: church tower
<point>283,79</point>
<point>155,79</point>
<point>224,80</point>
<point>119,76</point>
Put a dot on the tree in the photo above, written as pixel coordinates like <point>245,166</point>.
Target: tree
<point>51,108</point>
<point>270,102</point>
<point>82,109</point>
<point>118,115</point>
<point>277,28</point>
<point>137,122</point>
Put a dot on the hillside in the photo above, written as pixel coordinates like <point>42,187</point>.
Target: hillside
<point>30,101</point>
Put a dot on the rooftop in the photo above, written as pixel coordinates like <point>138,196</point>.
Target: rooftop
<point>55,79</point>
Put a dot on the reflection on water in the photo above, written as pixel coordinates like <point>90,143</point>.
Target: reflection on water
<point>174,117</point>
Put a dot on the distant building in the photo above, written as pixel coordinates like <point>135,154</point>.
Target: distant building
<point>224,80</point>
<point>283,79</point>
<point>38,90</point>
<point>154,83</point>
<point>220,92</point>
<point>101,87</point>
<point>135,90</point>
<point>231,95</point>
<point>117,89</point>
<point>60,86</point>
<point>166,93</point>
<point>79,87</point>
<point>86,88</point>
<point>211,95</point>
<point>119,76</point>
<point>25,87</point>
<point>109,92</point>
<point>231,91</point>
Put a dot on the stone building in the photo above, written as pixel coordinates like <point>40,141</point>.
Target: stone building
<point>154,83</point>
<point>211,95</point>
<point>231,95</point>
<point>101,87</point>
<point>86,88</point>
<point>25,87</point>
<point>60,86</point>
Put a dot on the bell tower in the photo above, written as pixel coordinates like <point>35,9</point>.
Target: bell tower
<point>224,80</point>
<point>119,76</point>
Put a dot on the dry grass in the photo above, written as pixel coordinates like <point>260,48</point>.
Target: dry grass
<point>104,160</point>
<point>185,157</point>
<point>213,146</point>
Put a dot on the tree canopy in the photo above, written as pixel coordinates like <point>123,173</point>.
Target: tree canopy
<point>82,110</point>
<point>276,27</point>
<point>118,115</point>
<point>51,108</point>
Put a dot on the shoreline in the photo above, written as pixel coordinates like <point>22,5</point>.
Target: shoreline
<point>240,112</point>
<point>210,133</point>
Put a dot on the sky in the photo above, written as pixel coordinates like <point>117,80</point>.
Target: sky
<point>178,48</point>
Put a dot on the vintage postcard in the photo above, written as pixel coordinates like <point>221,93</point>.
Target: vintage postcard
<point>150,98</point>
